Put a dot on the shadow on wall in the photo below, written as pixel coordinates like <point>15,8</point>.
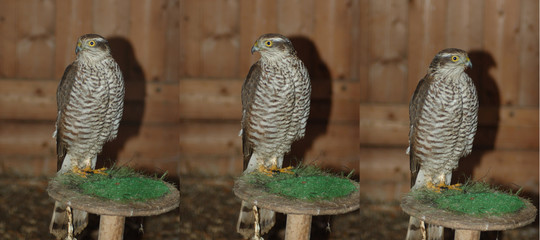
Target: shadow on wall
<point>488,126</point>
<point>321,97</point>
<point>488,113</point>
<point>317,125</point>
<point>134,79</point>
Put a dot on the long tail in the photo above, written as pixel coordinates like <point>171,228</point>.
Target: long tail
<point>246,220</point>
<point>59,221</point>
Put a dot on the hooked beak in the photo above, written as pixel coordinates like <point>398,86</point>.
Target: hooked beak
<point>255,47</point>
<point>468,64</point>
<point>78,48</point>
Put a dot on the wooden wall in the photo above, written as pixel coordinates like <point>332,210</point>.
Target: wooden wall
<point>402,38</point>
<point>184,62</point>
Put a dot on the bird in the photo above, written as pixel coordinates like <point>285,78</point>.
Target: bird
<point>275,108</point>
<point>443,115</point>
<point>90,100</point>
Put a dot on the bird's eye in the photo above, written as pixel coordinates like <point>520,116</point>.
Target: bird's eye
<point>268,43</point>
<point>92,43</point>
<point>455,58</point>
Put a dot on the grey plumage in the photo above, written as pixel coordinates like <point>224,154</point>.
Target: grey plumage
<point>90,99</point>
<point>275,109</point>
<point>443,116</point>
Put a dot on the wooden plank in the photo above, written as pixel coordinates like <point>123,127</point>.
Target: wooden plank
<point>35,27</point>
<point>190,34</point>
<point>464,24</point>
<point>135,140</point>
<point>505,128</point>
<point>209,29</point>
<point>148,29</point>
<point>426,37</point>
<point>36,100</point>
<point>8,38</point>
<point>528,59</point>
<point>501,42</point>
<point>388,51</point>
<point>257,18</point>
<point>172,41</point>
<point>364,44</point>
<point>73,19</point>
<point>295,17</point>
<point>333,44</point>
<point>114,17</point>
<point>28,165</point>
<point>168,102</point>
<point>334,145</point>
<point>340,105</point>
<point>358,43</point>
<point>336,141</point>
<point>384,172</point>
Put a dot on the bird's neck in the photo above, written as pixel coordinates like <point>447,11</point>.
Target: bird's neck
<point>91,59</point>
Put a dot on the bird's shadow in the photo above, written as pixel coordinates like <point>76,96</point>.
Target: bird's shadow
<point>317,125</point>
<point>134,106</point>
<point>486,134</point>
<point>488,113</point>
<point>321,97</point>
<point>135,90</point>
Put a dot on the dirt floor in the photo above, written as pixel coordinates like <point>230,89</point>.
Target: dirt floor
<point>208,210</point>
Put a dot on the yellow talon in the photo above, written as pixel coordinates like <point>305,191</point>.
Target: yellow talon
<point>442,186</point>
<point>88,170</point>
<point>274,170</point>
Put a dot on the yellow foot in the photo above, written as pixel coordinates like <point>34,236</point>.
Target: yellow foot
<point>274,170</point>
<point>89,171</point>
<point>441,186</point>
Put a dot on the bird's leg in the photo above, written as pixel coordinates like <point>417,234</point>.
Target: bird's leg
<point>273,169</point>
<point>442,185</point>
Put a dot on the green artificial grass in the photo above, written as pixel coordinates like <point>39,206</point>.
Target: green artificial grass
<point>474,198</point>
<point>120,184</point>
<point>306,183</point>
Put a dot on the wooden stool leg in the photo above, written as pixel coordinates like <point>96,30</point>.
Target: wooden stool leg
<point>111,227</point>
<point>461,234</point>
<point>298,227</point>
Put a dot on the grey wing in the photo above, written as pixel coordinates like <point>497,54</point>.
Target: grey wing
<point>415,108</point>
<point>248,92</point>
<point>63,93</point>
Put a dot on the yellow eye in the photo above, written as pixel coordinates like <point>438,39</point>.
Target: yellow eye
<point>455,58</point>
<point>268,43</point>
<point>91,43</point>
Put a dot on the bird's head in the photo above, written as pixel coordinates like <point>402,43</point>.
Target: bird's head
<point>273,44</point>
<point>92,46</point>
<point>451,59</point>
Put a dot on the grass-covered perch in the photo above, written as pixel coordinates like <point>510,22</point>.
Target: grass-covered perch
<point>474,198</point>
<point>119,193</point>
<point>119,184</point>
<point>300,194</point>
<point>306,183</point>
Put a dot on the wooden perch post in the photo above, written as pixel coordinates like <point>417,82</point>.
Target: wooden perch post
<point>113,213</point>
<point>467,227</point>
<point>299,212</point>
